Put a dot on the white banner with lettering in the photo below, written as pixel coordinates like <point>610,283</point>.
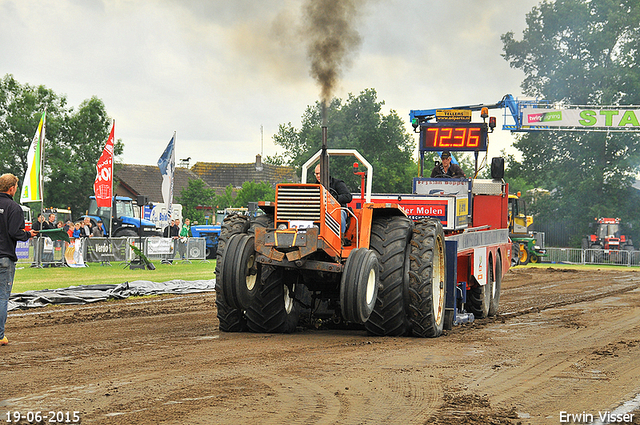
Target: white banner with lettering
<point>610,118</point>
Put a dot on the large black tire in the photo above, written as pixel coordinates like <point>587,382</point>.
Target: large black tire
<point>427,279</point>
<point>390,238</point>
<point>515,254</point>
<point>479,296</point>
<point>231,319</point>
<point>597,255</point>
<point>496,278</point>
<point>274,309</point>
<point>231,268</point>
<point>359,285</point>
<point>265,221</point>
<point>585,243</point>
<point>247,272</point>
<point>123,233</point>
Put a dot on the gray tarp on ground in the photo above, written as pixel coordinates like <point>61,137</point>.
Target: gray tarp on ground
<point>85,294</point>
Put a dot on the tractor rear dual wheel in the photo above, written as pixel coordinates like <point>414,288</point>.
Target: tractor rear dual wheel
<point>274,309</point>
<point>231,319</point>
<point>427,279</point>
<point>390,238</point>
<point>240,271</point>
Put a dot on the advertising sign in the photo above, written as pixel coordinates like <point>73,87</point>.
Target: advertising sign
<point>106,250</point>
<point>584,119</point>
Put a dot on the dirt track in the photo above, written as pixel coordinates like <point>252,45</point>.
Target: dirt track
<point>563,341</point>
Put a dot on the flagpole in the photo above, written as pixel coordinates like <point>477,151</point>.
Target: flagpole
<point>170,206</point>
<point>41,174</point>
<point>112,194</point>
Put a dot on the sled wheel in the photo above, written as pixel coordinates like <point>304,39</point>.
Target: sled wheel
<point>479,299</point>
<point>496,278</point>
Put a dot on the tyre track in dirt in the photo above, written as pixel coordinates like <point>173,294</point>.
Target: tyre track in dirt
<point>572,360</point>
<point>562,340</point>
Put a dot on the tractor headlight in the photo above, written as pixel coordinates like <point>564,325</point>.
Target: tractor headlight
<point>282,226</point>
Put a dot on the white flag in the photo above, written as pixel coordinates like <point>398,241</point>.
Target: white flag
<point>32,184</point>
<point>167,165</point>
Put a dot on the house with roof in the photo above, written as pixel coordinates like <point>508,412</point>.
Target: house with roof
<point>145,180</point>
<point>220,175</point>
<point>133,180</point>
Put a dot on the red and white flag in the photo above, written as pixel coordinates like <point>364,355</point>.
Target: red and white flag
<point>103,186</point>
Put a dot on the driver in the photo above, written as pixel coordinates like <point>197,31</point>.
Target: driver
<point>340,191</point>
<point>447,169</point>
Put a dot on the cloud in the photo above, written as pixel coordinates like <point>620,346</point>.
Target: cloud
<point>215,71</point>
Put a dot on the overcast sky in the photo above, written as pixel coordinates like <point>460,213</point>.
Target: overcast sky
<point>215,71</point>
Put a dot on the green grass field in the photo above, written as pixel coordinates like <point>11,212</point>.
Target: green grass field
<point>28,278</point>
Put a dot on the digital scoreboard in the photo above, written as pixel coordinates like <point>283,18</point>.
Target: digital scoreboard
<point>442,136</point>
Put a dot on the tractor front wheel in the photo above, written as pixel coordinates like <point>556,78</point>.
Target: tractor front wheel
<point>359,285</point>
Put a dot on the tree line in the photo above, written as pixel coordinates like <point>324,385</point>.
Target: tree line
<point>74,140</point>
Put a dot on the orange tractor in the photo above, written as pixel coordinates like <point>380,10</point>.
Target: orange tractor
<point>393,272</point>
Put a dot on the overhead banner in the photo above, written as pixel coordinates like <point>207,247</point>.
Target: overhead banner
<point>582,119</point>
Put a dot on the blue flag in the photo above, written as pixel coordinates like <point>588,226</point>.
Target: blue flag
<point>167,165</point>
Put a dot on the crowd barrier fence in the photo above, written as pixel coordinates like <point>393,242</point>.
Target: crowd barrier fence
<point>43,252</point>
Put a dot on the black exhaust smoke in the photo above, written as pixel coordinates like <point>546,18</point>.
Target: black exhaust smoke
<point>331,39</point>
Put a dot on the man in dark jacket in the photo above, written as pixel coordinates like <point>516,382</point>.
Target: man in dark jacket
<point>11,231</point>
<point>340,191</point>
<point>447,169</point>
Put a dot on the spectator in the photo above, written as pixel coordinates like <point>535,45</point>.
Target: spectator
<point>38,223</point>
<point>98,230</point>
<point>68,227</point>
<point>175,229</point>
<point>77,230</point>
<point>167,229</point>
<point>185,233</point>
<point>51,223</point>
<point>47,254</point>
<point>11,231</point>
<point>85,232</point>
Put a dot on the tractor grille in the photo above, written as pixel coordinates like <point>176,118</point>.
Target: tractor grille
<point>298,203</point>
